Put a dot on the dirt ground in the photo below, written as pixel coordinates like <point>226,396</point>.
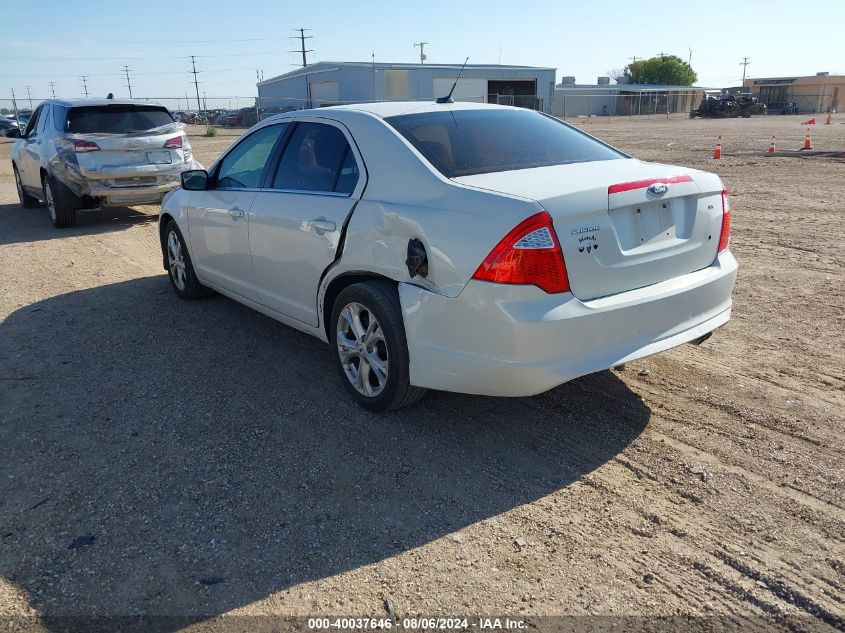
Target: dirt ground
<point>160,457</point>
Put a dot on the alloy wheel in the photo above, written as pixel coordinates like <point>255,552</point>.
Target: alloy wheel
<point>176,260</point>
<point>362,349</point>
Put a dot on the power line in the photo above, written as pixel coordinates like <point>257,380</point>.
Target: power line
<point>421,46</point>
<point>744,63</point>
<point>126,70</point>
<point>302,37</point>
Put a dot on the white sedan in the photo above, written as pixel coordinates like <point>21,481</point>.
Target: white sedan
<point>454,246</point>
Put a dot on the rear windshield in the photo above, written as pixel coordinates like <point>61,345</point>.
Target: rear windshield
<point>116,119</point>
<point>467,142</point>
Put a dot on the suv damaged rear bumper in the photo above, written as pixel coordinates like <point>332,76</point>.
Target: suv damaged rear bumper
<point>116,185</point>
<point>501,340</point>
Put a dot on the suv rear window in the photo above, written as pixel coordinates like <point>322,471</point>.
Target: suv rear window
<point>467,142</point>
<point>116,119</point>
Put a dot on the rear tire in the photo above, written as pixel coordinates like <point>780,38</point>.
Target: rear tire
<point>27,201</point>
<point>368,335</point>
<point>61,203</point>
<point>180,268</point>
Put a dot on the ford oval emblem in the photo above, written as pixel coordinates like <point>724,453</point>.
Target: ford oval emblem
<point>658,189</point>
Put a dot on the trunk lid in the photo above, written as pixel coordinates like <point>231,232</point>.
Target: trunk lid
<point>615,232</point>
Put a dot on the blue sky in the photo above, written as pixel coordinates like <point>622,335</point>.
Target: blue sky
<point>61,40</point>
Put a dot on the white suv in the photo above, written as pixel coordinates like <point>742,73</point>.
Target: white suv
<point>88,153</point>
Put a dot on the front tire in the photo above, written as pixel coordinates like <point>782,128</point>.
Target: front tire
<point>370,346</point>
<point>180,268</point>
<point>61,203</point>
<point>27,201</point>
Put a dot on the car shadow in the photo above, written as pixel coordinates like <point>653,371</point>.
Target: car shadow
<point>19,225</point>
<point>169,458</point>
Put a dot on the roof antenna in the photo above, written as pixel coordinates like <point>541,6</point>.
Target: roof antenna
<point>110,96</point>
<point>448,97</point>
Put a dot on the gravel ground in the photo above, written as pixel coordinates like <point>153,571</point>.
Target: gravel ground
<point>198,459</point>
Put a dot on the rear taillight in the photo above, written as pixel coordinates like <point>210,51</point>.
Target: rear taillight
<point>85,146</point>
<point>173,143</point>
<point>725,236</point>
<point>530,254</point>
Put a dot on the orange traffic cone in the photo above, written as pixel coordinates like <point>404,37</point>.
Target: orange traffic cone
<point>772,148</point>
<point>807,143</point>
<point>717,153</point>
<point>829,116</point>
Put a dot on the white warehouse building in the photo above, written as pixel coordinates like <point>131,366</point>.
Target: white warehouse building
<point>332,83</point>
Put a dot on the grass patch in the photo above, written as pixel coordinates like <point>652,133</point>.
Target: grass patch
<point>211,131</point>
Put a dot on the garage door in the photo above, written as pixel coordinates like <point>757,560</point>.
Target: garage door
<point>325,93</point>
<point>467,89</point>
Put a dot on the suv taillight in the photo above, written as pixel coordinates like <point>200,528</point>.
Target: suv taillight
<point>530,254</point>
<point>725,235</point>
<point>85,146</point>
<point>173,143</point>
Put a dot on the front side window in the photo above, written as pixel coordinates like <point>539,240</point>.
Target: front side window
<point>467,142</point>
<point>318,159</point>
<point>241,168</point>
<point>43,120</point>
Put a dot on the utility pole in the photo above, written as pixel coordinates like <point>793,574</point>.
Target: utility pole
<point>421,46</point>
<point>689,61</point>
<point>29,96</point>
<point>15,107</point>
<point>302,37</point>
<point>85,85</point>
<point>53,89</point>
<point>744,63</point>
<point>126,70</point>
<point>196,84</point>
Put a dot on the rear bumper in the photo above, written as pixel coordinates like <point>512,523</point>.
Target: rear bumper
<point>518,341</point>
<point>135,184</point>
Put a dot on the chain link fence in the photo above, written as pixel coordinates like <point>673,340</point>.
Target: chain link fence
<point>244,111</point>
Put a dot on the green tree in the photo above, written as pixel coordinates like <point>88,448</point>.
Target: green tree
<point>665,70</point>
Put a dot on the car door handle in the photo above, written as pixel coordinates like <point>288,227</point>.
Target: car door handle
<point>236,213</point>
<point>322,224</point>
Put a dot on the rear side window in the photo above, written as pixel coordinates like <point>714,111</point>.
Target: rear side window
<point>467,142</point>
<point>317,158</point>
<point>116,119</point>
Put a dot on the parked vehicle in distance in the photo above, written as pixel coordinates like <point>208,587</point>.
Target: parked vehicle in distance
<point>6,125</point>
<point>244,117</point>
<point>23,118</point>
<point>88,153</point>
<point>728,106</point>
<point>456,246</point>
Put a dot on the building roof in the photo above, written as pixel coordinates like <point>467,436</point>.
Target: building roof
<point>326,66</point>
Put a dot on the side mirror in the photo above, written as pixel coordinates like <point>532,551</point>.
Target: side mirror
<point>13,132</point>
<point>195,180</point>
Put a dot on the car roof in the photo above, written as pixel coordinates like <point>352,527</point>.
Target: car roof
<point>75,103</point>
<point>385,109</point>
